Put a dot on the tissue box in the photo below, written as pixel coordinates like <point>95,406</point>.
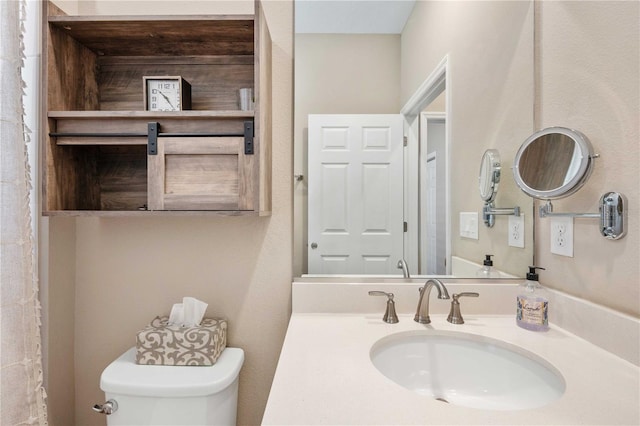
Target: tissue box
<point>163,344</point>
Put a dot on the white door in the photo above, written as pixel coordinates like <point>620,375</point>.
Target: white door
<point>355,194</point>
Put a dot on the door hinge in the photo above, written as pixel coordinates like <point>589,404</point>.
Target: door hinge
<point>405,140</point>
<point>153,129</point>
<point>405,226</point>
<point>248,137</point>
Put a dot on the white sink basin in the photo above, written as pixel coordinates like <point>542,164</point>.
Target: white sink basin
<point>467,370</point>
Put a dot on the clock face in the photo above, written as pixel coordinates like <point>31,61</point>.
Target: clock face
<point>163,95</point>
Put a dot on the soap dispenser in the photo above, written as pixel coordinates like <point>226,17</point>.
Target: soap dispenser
<point>487,270</point>
<point>532,304</point>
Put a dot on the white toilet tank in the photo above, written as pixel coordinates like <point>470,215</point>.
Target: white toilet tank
<point>173,395</point>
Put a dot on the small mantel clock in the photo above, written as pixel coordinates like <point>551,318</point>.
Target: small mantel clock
<point>166,93</point>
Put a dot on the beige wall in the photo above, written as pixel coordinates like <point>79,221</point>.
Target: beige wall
<point>588,79</point>
<point>439,104</point>
<point>58,300</point>
<point>338,74</point>
<point>128,270</point>
<point>489,46</point>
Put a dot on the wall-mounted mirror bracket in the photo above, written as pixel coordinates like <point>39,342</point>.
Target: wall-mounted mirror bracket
<point>612,214</point>
<point>489,213</point>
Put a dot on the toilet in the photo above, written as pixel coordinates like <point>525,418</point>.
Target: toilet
<point>171,395</point>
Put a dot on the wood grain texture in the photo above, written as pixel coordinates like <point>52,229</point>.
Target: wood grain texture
<point>149,213</point>
<point>94,70</point>
<point>160,36</point>
<point>136,124</point>
<point>77,141</point>
<point>123,177</point>
<point>71,71</point>
<point>72,180</point>
<point>199,174</point>
<point>215,81</point>
<point>149,115</point>
<point>70,176</point>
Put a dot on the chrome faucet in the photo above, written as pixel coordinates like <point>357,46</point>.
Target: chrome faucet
<point>422,314</point>
<point>405,269</point>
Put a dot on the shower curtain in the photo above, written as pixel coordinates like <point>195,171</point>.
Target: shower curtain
<point>22,398</point>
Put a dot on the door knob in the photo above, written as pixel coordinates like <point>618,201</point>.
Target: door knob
<point>314,246</point>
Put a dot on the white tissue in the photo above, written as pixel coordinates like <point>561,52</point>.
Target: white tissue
<point>176,317</point>
<point>189,313</point>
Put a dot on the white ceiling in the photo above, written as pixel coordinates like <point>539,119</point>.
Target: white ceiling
<point>352,16</point>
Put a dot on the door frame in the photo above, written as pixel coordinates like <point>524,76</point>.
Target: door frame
<point>433,85</point>
<point>426,156</point>
<point>426,230</point>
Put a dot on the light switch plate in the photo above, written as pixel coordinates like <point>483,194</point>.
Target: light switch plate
<point>516,231</point>
<point>469,225</point>
<point>562,236</point>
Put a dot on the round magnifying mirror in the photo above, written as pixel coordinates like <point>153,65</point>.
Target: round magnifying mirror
<point>553,163</point>
<point>489,175</point>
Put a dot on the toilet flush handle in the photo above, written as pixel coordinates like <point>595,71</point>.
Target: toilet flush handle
<point>109,407</point>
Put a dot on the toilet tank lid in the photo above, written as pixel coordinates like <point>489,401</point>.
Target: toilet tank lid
<point>124,376</point>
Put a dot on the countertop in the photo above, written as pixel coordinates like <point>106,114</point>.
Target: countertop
<point>325,376</point>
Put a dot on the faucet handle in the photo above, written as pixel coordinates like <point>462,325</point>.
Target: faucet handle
<point>466,293</point>
<point>455,316</point>
<point>390,314</point>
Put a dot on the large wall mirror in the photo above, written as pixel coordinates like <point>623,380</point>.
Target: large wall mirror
<point>460,78</point>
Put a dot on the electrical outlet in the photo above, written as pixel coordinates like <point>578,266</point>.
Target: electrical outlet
<point>562,236</point>
<point>516,231</point>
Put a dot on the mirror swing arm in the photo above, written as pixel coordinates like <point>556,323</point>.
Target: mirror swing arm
<point>612,214</point>
<point>488,181</point>
<point>554,163</point>
<point>489,212</point>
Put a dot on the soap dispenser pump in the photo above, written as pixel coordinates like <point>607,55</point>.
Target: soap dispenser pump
<point>532,304</point>
<point>487,270</point>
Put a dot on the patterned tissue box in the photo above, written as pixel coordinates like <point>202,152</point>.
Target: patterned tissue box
<point>163,344</point>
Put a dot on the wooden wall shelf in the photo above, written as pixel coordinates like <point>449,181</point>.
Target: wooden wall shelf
<point>95,150</point>
<point>187,35</point>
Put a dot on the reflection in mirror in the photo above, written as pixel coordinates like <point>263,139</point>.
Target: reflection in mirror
<point>489,177</point>
<point>338,71</point>
<point>553,163</point>
<point>433,210</point>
